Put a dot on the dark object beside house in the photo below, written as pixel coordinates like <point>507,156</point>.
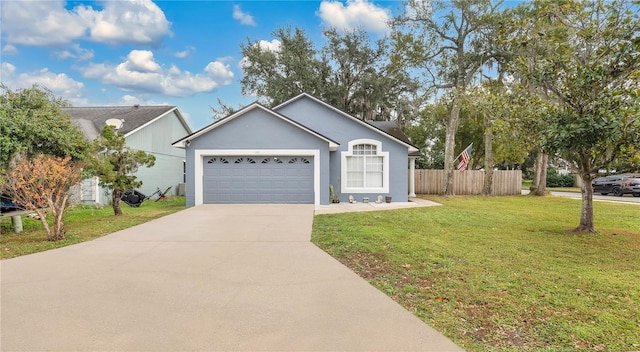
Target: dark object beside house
<point>133,197</point>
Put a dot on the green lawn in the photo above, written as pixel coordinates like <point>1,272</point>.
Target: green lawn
<point>82,223</point>
<point>502,273</point>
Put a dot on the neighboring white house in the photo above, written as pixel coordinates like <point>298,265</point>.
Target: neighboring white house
<point>151,129</point>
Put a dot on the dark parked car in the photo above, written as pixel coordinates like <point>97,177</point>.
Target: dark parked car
<point>617,185</point>
<point>7,205</point>
<point>631,186</point>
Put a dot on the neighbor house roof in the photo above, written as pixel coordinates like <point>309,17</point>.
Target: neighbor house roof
<point>91,120</point>
<point>392,128</point>
<point>333,145</point>
<point>412,148</point>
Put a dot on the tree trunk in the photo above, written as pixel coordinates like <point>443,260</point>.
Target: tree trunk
<point>57,208</point>
<point>115,201</point>
<point>542,185</point>
<point>449,148</point>
<point>586,213</point>
<point>488,157</point>
<point>42,214</point>
<point>539,186</point>
<point>58,226</point>
<point>536,175</point>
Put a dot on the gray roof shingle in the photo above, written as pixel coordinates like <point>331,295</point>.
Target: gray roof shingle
<point>392,128</point>
<point>91,120</point>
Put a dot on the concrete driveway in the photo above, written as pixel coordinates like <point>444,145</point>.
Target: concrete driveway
<point>212,277</point>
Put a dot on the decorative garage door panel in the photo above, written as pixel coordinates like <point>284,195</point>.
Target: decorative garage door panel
<point>242,179</point>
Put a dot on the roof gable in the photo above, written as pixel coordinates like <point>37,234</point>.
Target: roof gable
<point>183,142</point>
<point>91,120</point>
<point>394,137</point>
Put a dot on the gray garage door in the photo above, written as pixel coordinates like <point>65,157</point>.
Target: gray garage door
<point>242,179</point>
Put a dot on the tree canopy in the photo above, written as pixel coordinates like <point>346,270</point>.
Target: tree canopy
<point>449,43</point>
<point>351,72</point>
<point>584,56</point>
<point>32,123</point>
<point>115,164</point>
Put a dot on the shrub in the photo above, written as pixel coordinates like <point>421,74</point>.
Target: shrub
<point>555,179</point>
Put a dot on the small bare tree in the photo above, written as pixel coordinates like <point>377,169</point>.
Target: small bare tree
<point>44,182</point>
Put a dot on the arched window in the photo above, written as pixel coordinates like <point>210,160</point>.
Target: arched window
<point>365,167</point>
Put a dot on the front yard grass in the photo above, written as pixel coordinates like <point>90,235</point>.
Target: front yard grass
<point>82,223</point>
<point>502,273</point>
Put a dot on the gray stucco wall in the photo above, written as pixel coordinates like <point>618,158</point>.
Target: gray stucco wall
<point>256,130</point>
<point>156,139</point>
<point>341,129</point>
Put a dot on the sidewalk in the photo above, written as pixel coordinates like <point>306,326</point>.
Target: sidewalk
<point>345,207</point>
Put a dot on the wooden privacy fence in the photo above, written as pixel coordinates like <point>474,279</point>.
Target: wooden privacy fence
<point>505,182</point>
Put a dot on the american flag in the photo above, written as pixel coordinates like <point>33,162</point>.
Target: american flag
<point>464,159</point>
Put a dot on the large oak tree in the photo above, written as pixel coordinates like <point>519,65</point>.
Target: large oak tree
<point>350,71</point>
<point>587,60</point>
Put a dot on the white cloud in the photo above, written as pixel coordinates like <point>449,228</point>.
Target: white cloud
<point>273,46</point>
<point>40,23</point>
<point>94,70</point>
<point>220,71</point>
<point>141,61</point>
<point>59,83</point>
<point>49,23</point>
<point>140,73</point>
<point>128,99</point>
<point>356,14</point>
<point>244,18</point>
<point>75,52</point>
<point>6,71</point>
<point>139,22</point>
<point>225,59</point>
<point>184,53</point>
<point>9,49</point>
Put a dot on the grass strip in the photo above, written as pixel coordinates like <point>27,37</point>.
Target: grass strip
<point>82,223</point>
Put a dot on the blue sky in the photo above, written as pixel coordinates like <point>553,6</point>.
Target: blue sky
<point>183,53</point>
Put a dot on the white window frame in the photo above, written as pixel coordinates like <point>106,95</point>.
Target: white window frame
<point>385,168</point>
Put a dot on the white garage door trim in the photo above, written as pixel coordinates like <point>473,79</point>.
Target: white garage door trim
<point>201,153</point>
